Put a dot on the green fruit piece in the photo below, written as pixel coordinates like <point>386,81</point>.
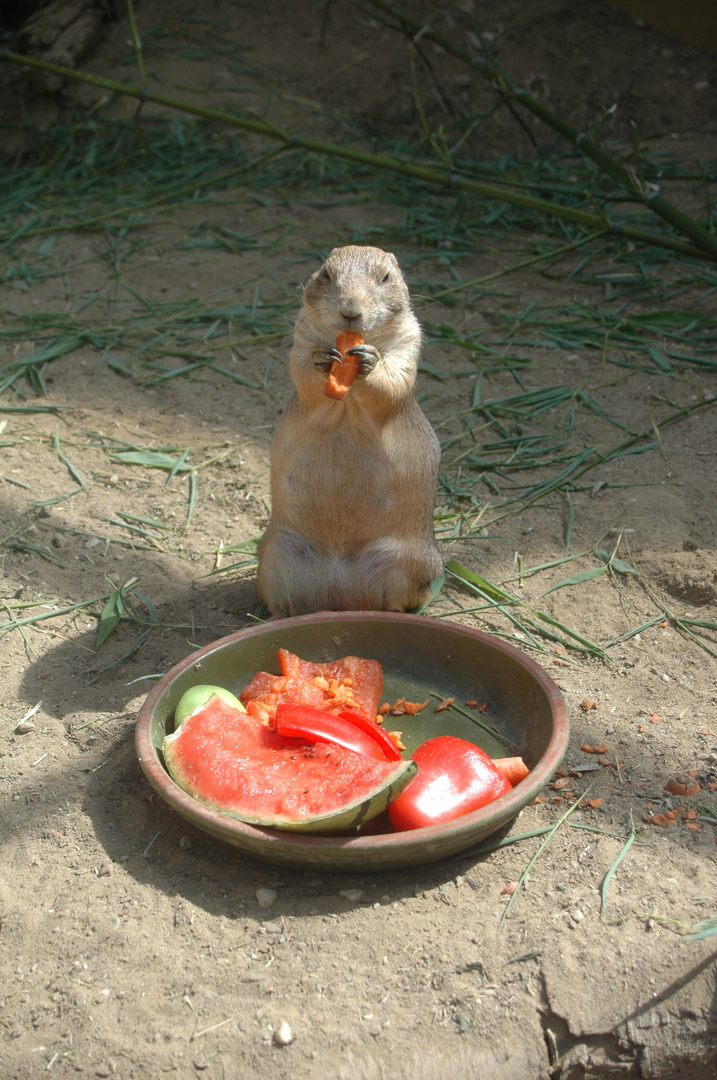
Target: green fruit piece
<point>240,767</point>
<point>197,696</point>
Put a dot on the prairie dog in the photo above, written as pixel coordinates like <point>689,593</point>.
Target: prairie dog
<point>353,482</point>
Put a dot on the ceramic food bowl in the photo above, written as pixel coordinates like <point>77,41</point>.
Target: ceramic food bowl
<point>422,658</point>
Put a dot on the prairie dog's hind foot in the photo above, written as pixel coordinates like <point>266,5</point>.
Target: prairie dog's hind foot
<point>390,575</point>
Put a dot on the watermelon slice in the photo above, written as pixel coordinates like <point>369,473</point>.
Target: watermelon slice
<point>350,683</point>
<point>234,763</point>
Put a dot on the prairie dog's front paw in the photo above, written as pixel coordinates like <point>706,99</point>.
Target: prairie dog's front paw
<point>368,357</point>
<point>323,356</point>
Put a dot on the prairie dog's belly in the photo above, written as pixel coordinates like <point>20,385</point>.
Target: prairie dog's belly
<point>338,497</point>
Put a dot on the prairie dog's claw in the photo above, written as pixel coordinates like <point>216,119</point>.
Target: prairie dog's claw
<point>368,356</point>
<point>323,356</point>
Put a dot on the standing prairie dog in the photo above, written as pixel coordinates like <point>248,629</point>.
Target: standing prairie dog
<point>353,482</point>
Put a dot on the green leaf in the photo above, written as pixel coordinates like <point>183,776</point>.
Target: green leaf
<point>673,319</point>
<point>429,369</point>
<point>45,246</point>
<point>659,360</point>
<point>544,617</point>
<point>622,567</point>
<point>704,929</point>
<point>577,579</point>
<point>111,614</point>
<point>492,591</point>
<point>179,465</point>
<point>59,347</point>
<point>152,459</point>
<point>623,852</point>
<point>614,563</point>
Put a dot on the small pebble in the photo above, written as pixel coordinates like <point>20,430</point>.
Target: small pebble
<point>110,923</point>
<point>92,542</point>
<point>464,1021</point>
<point>24,727</point>
<point>273,928</point>
<point>283,1035</point>
<point>665,677</point>
<point>577,915</point>
<point>266,898</point>
<point>354,895</point>
<point>185,843</point>
<point>114,479</point>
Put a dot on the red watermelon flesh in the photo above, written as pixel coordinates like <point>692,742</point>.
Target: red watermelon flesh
<point>349,683</point>
<point>235,764</point>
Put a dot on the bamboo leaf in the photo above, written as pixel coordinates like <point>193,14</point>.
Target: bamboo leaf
<point>463,573</point>
<point>179,465</point>
<point>553,829</point>
<point>152,459</point>
<point>109,618</point>
<point>674,319</point>
<point>705,928</point>
<point>623,852</point>
<point>577,579</point>
<point>659,360</point>
<point>622,567</point>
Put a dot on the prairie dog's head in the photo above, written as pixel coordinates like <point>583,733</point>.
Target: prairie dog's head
<point>357,288</point>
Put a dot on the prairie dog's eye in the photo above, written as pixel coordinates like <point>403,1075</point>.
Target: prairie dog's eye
<point>386,277</point>
<point>325,273</point>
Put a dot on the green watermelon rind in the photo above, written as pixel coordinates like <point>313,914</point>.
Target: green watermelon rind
<point>196,697</point>
<point>351,816</point>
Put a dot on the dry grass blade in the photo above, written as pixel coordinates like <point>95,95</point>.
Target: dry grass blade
<point>606,880</point>
<point>517,838</point>
<point>528,620</point>
<point>551,832</point>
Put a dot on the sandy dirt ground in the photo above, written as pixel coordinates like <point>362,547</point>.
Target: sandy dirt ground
<point>132,945</point>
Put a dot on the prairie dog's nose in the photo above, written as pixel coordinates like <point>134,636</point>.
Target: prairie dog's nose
<point>350,307</point>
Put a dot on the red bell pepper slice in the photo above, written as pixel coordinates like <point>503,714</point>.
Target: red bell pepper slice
<point>454,778</point>
<point>384,740</point>
<point>314,725</point>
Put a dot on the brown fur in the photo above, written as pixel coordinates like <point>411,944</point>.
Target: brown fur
<point>353,482</point>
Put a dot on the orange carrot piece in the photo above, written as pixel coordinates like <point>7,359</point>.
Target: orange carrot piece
<point>514,769</point>
<point>342,375</point>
